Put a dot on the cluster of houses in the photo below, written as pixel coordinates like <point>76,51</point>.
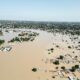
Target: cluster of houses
<point>65,71</point>
<point>63,74</point>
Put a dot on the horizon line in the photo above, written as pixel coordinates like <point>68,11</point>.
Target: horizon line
<point>36,20</point>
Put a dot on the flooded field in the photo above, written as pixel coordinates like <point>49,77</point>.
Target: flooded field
<point>17,64</point>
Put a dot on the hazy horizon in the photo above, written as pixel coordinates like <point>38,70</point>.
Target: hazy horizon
<point>40,10</point>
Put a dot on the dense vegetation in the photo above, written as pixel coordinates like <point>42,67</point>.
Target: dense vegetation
<point>65,27</point>
<point>24,37</point>
<point>1,42</point>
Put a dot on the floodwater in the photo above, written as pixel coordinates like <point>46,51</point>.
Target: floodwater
<point>17,64</point>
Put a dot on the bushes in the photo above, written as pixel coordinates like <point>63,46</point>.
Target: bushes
<point>25,39</point>
<point>56,62</point>
<point>51,49</point>
<point>1,33</point>
<point>34,69</point>
<point>1,42</point>
<point>63,67</point>
<point>57,46</point>
<point>15,39</point>
<point>76,66</point>
<point>73,69</point>
<point>69,47</point>
<point>61,57</point>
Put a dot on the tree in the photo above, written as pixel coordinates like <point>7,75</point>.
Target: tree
<point>1,42</point>
<point>56,62</point>
<point>61,57</point>
<point>34,69</point>
<point>63,67</point>
<point>73,69</point>
<point>76,66</point>
<point>69,47</point>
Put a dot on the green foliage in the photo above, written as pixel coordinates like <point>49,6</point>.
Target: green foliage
<point>61,57</point>
<point>76,66</point>
<point>63,67</point>
<point>56,62</point>
<point>69,47</point>
<point>63,27</point>
<point>34,69</point>
<point>25,39</point>
<point>1,42</point>
<point>73,69</point>
<point>15,39</point>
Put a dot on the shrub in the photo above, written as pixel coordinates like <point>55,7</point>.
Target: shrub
<point>76,66</point>
<point>56,67</point>
<point>69,47</point>
<point>73,69</point>
<point>53,76</point>
<point>34,69</point>
<point>1,42</point>
<point>17,39</point>
<point>63,67</point>
<point>56,62</point>
<point>79,42</point>
<point>1,33</point>
<point>49,53</point>
<point>25,39</point>
<point>51,49</point>
<point>61,57</point>
<point>57,46</point>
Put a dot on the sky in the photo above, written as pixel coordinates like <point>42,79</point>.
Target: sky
<point>40,10</point>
